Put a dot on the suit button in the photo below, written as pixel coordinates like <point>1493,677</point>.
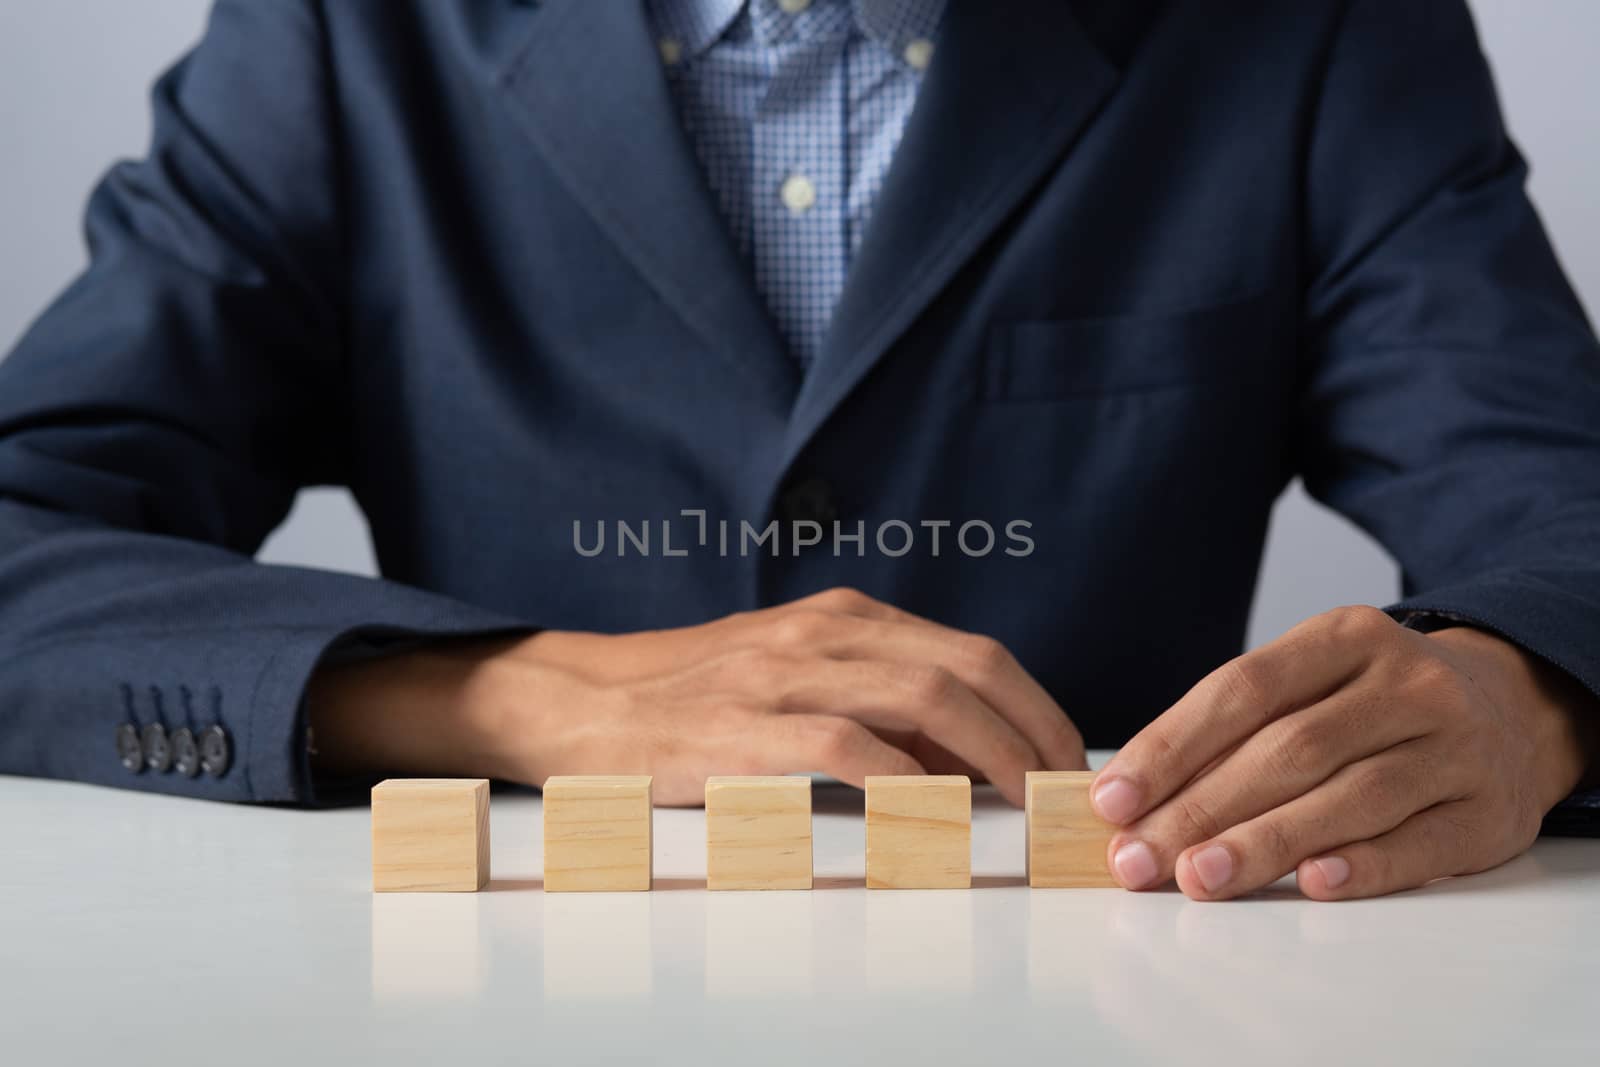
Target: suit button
<point>185,752</point>
<point>157,748</point>
<point>129,751</point>
<point>809,500</point>
<point>216,751</point>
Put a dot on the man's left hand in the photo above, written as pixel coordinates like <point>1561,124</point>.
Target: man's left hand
<point>1363,756</point>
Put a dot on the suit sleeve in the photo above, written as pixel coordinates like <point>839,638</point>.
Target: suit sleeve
<point>157,421</point>
<point>1452,400</point>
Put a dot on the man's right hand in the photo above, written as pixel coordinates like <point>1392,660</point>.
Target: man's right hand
<point>836,683</point>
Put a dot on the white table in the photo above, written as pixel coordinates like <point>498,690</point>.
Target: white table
<point>139,929</point>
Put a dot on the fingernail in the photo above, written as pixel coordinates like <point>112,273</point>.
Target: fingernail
<point>1135,865</point>
<point>1214,865</point>
<point>1335,870</point>
<point>1115,800</point>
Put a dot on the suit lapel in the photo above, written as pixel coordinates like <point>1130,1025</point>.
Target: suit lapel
<point>589,89</point>
<point>1010,87</point>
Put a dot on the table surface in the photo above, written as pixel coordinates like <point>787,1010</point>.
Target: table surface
<point>146,929</point>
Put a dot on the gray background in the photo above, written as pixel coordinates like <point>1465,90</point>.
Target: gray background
<point>73,81</point>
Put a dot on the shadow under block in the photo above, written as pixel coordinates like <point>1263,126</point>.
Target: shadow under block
<point>758,833</point>
<point>430,835</point>
<point>1066,840</point>
<point>919,832</point>
<point>597,833</point>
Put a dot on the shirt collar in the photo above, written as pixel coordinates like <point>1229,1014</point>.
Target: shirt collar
<point>896,23</point>
<point>695,25</point>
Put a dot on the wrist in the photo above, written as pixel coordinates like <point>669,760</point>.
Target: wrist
<point>432,711</point>
<point>524,713</point>
<point>1562,715</point>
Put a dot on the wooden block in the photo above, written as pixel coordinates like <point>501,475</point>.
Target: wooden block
<point>430,835</point>
<point>597,833</point>
<point>1066,840</point>
<point>758,833</point>
<point>919,832</point>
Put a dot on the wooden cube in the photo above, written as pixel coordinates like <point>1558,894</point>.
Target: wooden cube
<point>430,835</point>
<point>1066,840</point>
<point>597,833</point>
<point>758,833</point>
<point>919,832</point>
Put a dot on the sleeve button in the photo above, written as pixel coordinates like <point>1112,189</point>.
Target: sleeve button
<point>157,748</point>
<point>185,752</point>
<point>216,751</point>
<point>129,751</point>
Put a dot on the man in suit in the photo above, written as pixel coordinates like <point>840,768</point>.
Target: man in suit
<point>856,386</point>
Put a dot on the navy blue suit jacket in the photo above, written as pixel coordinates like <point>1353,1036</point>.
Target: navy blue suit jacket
<point>1135,266</point>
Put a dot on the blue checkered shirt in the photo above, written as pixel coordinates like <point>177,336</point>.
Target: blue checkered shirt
<point>795,108</point>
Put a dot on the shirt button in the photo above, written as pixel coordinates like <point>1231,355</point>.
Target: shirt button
<point>185,752</point>
<point>216,751</point>
<point>130,753</point>
<point>793,7</point>
<point>671,51</point>
<point>799,194</point>
<point>157,748</point>
<point>919,53</point>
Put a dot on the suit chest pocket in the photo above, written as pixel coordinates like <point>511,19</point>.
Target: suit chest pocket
<point>1239,344</point>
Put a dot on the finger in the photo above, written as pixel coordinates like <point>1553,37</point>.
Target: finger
<point>1285,760</point>
<point>827,744</point>
<point>935,758</point>
<point>842,600</point>
<point>1361,801</point>
<point>1444,840</point>
<point>985,665</point>
<point>1305,665</point>
<point>929,700</point>
<point>989,669</point>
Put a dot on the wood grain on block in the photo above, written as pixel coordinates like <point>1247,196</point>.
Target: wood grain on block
<point>597,833</point>
<point>758,833</point>
<point>919,832</point>
<point>1066,840</point>
<point>430,835</point>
